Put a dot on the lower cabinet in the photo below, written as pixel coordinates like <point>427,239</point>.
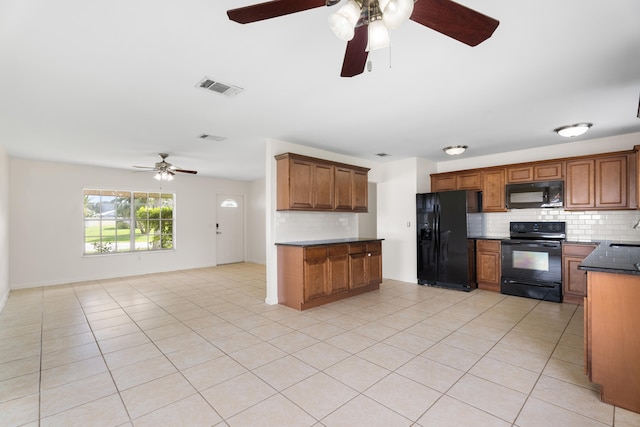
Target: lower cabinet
<point>309,276</point>
<point>365,264</point>
<point>488,264</point>
<point>612,339</point>
<point>574,281</point>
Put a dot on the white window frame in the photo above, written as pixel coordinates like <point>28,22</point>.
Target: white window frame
<point>97,211</point>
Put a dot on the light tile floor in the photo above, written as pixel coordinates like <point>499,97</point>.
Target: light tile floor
<point>201,348</point>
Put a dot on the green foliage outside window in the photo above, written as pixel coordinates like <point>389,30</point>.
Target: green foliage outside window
<point>111,225</point>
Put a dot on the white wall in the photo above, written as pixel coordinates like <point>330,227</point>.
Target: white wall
<point>368,222</point>
<point>46,233</point>
<point>4,227</point>
<point>397,215</point>
<point>256,222</point>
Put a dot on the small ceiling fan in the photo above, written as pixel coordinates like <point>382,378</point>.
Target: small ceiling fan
<point>363,23</point>
<point>165,171</point>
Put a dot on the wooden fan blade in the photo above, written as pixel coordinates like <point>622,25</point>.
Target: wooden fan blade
<point>144,167</point>
<point>355,57</point>
<point>185,171</point>
<point>454,20</point>
<point>271,9</point>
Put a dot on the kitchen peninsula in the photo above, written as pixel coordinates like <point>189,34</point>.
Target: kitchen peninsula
<point>315,272</point>
<point>611,319</point>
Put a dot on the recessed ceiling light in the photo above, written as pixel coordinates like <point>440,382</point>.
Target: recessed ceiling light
<point>454,150</point>
<point>573,130</point>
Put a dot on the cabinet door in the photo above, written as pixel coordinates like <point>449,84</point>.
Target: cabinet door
<point>374,261</point>
<point>338,258</point>
<point>488,267</point>
<point>360,191</point>
<point>375,267</point>
<point>520,174</point>
<point>488,264</point>
<point>469,181</point>
<point>343,189</point>
<point>574,282</point>
<point>300,184</point>
<point>579,191</point>
<point>611,182</point>
<point>357,270</point>
<point>315,273</point>
<point>548,172</point>
<point>493,188</point>
<point>443,183</point>
<point>323,186</point>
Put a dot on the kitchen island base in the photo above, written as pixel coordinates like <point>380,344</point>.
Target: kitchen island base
<point>310,275</point>
<point>612,337</point>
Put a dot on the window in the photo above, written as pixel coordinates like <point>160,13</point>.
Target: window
<point>127,221</point>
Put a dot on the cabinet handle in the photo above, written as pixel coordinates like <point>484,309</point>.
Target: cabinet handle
<point>369,254</point>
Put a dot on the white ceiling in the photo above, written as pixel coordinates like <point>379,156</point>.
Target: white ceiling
<point>112,83</point>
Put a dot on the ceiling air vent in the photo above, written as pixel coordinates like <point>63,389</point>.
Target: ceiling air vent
<point>212,137</point>
<point>221,88</point>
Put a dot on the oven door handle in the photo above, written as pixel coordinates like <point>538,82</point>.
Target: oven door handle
<point>517,282</point>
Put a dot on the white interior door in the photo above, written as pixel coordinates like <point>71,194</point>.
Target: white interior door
<point>229,228</point>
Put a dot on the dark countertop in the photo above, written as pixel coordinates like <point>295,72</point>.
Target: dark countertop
<point>303,243</point>
<point>608,259</point>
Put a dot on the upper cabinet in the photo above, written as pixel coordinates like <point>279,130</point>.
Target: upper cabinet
<point>597,182</point>
<point>467,180</point>
<point>600,183</point>
<point>310,184</point>
<point>544,171</point>
<point>493,190</point>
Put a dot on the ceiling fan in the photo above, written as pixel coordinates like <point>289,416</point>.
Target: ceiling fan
<point>356,21</point>
<point>165,171</point>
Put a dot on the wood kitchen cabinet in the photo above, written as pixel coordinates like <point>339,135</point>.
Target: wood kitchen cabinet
<point>488,264</point>
<point>574,281</point>
<point>612,344</point>
<point>365,264</point>
<point>351,190</point>
<point>467,180</point>
<point>598,183</point>
<point>543,171</point>
<point>443,182</point>
<point>493,190</point>
<point>310,184</point>
<point>309,276</point>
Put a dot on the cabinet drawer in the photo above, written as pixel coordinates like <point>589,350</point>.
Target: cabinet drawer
<point>357,248</point>
<point>374,247</point>
<point>488,245</point>
<point>315,253</point>
<point>578,250</point>
<point>338,250</point>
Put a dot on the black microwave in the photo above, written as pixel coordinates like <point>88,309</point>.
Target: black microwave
<point>547,194</point>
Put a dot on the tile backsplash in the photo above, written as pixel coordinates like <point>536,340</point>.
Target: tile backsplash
<point>291,226</point>
<point>581,226</point>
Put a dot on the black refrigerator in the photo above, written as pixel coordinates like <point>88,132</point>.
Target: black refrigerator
<point>446,256</point>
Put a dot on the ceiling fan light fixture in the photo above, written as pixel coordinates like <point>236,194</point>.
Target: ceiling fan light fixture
<point>378,36</point>
<point>344,21</point>
<point>454,150</point>
<point>396,12</point>
<point>573,130</point>
<point>165,175</point>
